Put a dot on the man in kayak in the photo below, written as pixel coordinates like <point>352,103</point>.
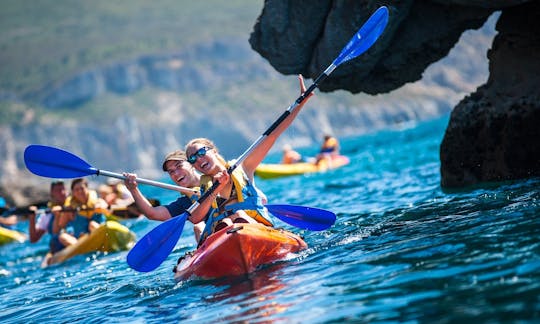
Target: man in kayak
<point>181,173</point>
<point>290,156</point>
<point>6,220</point>
<point>236,198</point>
<point>83,215</point>
<point>44,224</point>
<point>329,149</point>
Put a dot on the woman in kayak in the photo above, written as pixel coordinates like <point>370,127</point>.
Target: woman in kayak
<point>236,199</point>
<point>181,173</point>
<point>329,149</point>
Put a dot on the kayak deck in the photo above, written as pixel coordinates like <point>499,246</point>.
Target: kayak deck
<point>10,236</point>
<point>276,170</point>
<point>111,236</point>
<point>238,249</point>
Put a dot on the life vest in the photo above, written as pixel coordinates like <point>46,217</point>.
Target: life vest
<point>248,199</point>
<point>329,145</point>
<point>85,214</point>
<point>85,209</point>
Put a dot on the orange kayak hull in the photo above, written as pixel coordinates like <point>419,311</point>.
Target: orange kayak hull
<point>238,249</point>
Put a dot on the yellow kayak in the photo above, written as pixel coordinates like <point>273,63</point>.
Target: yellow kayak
<point>10,236</point>
<point>109,237</point>
<point>271,171</point>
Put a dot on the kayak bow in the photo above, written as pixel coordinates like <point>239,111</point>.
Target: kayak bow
<point>238,249</point>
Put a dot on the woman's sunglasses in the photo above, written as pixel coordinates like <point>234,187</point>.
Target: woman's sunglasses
<point>200,152</point>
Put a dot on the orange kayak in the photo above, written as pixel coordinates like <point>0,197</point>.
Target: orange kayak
<point>238,249</point>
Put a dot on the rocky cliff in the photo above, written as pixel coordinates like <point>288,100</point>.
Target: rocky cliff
<point>492,134</point>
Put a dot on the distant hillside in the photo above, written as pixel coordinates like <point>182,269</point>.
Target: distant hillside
<point>43,41</point>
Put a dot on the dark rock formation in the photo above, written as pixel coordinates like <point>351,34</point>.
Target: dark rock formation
<point>488,132</point>
<point>418,31</point>
<point>494,134</point>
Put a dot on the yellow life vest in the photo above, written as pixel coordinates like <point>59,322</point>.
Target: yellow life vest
<point>248,199</point>
<point>86,209</point>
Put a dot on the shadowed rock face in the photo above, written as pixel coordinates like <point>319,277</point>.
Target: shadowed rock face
<point>494,134</point>
<point>491,135</point>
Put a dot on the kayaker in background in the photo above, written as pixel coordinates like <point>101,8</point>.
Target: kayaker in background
<point>236,199</point>
<point>45,220</point>
<point>106,193</point>
<point>85,215</point>
<point>6,220</point>
<point>123,197</point>
<point>115,193</point>
<point>181,173</point>
<point>290,156</point>
<point>329,148</point>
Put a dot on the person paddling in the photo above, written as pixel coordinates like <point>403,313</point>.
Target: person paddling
<point>183,174</point>
<point>329,149</point>
<point>236,198</point>
<point>81,214</point>
<point>45,220</point>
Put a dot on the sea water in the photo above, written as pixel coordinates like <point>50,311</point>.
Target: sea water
<point>401,250</point>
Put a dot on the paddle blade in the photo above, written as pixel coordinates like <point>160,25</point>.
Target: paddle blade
<point>365,37</point>
<point>152,249</point>
<point>47,161</point>
<point>313,219</point>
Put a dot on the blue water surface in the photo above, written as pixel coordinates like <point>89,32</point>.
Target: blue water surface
<point>401,250</point>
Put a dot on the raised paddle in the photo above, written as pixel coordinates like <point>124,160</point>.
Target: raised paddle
<point>53,162</point>
<point>150,251</point>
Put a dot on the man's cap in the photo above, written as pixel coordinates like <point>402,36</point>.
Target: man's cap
<point>177,155</point>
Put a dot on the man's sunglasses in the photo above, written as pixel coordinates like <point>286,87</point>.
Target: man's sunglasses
<point>200,152</point>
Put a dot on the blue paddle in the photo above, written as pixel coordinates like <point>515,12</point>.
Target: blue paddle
<point>361,42</point>
<point>53,162</point>
<point>156,245</point>
<point>309,218</point>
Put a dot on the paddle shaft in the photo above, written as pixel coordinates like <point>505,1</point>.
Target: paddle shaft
<point>373,27</point>
<point>148,182</point>
<point>285,114</point>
